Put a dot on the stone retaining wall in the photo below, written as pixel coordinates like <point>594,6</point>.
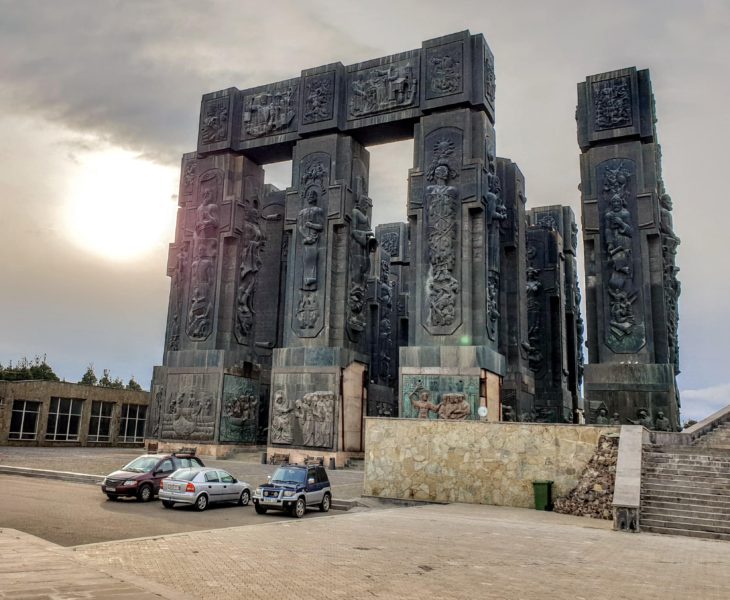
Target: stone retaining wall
<point>474,462</point>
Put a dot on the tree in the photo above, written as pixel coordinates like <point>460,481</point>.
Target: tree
<point>24,370</point>
<point>89,377</point>
<point>108,382</point>
<point>133,385</point>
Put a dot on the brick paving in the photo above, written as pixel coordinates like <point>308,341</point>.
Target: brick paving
<point>31,568</point>
<point>451,552</point>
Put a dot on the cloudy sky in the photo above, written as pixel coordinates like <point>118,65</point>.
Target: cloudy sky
<point>99,99</point>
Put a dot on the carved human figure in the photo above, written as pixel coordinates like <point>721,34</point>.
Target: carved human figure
<point>454,407</point>
<point>644,419</point>
<point>421,401</point>
<point>662,423</point>
<point>441,207</point>
<point>253,242</point>
<point>310,223</point>
<point>615,419</point>
<point>602,418</point>
<point>618,239</point>
<point>281,420</point>
<point>305,416</point>
<point>508,414</point>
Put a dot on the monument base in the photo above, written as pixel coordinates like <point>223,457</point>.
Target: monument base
<point>450,382</point>
<point>627,389</point>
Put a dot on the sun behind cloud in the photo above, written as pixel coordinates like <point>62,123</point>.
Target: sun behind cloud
<point>119,205</point>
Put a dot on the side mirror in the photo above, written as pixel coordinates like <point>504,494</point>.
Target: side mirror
<point>235,480</point>
<point>310,481</point>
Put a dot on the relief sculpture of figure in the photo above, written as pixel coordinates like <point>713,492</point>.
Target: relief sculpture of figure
<point>421,401</point>
<point>281,420</point>
<point>454,407</point>
<point>310,224</point>
<point>441,217</point>
<point>662,422</point>
<point>253,243</point>
<point>362,244</point>
<point>305,416</point>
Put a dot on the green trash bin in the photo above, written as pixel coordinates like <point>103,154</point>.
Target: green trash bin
<point>543,494</point>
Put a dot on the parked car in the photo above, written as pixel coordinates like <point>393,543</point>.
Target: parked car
<point>141,477</point>
<point>294,488</point>
<point>201,487</point>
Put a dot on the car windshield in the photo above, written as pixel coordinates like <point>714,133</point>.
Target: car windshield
<point>289,475</point>
<point>143,464</point>
<point>185,474</point>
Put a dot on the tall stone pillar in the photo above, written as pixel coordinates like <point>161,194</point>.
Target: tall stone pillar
<point>319,374</point>
<point>562,220</point>
<point>632,289</point>
<point>518,387</point>
<point>453,360</point>
<point>222,324</point>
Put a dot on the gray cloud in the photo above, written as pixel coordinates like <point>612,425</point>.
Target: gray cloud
<point>79,74</point>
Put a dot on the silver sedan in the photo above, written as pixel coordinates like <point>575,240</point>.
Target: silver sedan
<point>201,486</point>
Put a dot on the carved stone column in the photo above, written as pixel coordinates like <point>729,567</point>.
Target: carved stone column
<point>632,288</point>
<point>318,375</point>
<point>224,266</point>
<point>454,211</point>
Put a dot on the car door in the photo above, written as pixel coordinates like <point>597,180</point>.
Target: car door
<point>163,469</point>
<point>314,493</point>
<point>212,485</point>
<point>230,490</point>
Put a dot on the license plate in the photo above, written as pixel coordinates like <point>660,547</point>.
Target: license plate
<point>110,489</point>
<point>270,499</point>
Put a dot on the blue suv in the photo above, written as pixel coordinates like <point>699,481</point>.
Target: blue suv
<point>294,488</point>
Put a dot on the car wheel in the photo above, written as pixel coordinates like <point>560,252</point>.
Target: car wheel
<point>112,497</point>
<point>299,508</point>
<point>167,504</point>
<point>260,510</point>
<point>324,506</point>
<point>245,498</point>
<point>202,502</point>
<point>145,493</point>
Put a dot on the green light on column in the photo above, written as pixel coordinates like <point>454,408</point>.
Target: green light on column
<point>465,340</point>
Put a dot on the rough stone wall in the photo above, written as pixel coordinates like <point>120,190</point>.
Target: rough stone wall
<point>593,495</point>
<point>474,462</point>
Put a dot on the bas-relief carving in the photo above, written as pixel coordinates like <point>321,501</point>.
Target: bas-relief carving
<point>444,66</point>
<point>362,244</point>
<point>239,411</point>
<point>380,89</point>
<point>386,343</point>
<point>533,346</point>
<point>190,171</point>
<point>311,417</point>
<point>496,216</point>
<point>189,408</point>
<point>490,81</point>
<point>625,329</point>
<point>442,232</point>
<point>440,397</point>
<point>318,98</point>
<point>390,242</point>
<point>672,286</point>
<point>270,111</point>
<point>177,283</point>
<point>612,103</point>
<point>311,223</point>
<point>252,244</point>
<point>214,126</point>
<point>205,253</point>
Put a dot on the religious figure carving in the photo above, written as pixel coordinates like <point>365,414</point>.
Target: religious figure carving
<point>534,317</point>
<point>444,65</point>
<point>205,251</point>
<point>310,224</point>
<point>490,86</point>
<point>253,242</point>
<point>612,103</point>
<point>214,127</point>
<point>239,417</point>
<point>189,416</point>
<point>618,240</point>
<point>454,407</point>
<point>362,243</point>
<point>390,242</point>
<point>381,89</point>
<point>615,419</point>
<point>308,310</point>
<point>441,218</point>
<point>318,98</point>
<point>189,173</point>
<point>315,414</point>
<point>282,420</point>
<point>421,402</point>
<point>602,418</point>
<point>269,111</point>
<point>178,280</point>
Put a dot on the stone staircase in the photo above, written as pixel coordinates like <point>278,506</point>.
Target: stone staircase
<point>685,490</point>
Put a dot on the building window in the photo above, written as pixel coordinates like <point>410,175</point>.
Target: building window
<point>24,420</point>
<point>131,427</point>
<point>64,418</point>
<point>100,423</point>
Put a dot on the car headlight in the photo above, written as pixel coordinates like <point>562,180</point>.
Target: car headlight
<point>258,492</point>
<point>288,493</point>
<point>130,482</point>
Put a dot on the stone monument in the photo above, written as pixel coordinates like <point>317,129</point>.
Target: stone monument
<point>630,246</point>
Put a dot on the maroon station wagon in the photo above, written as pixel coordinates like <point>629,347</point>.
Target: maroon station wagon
<point>141,478</point>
